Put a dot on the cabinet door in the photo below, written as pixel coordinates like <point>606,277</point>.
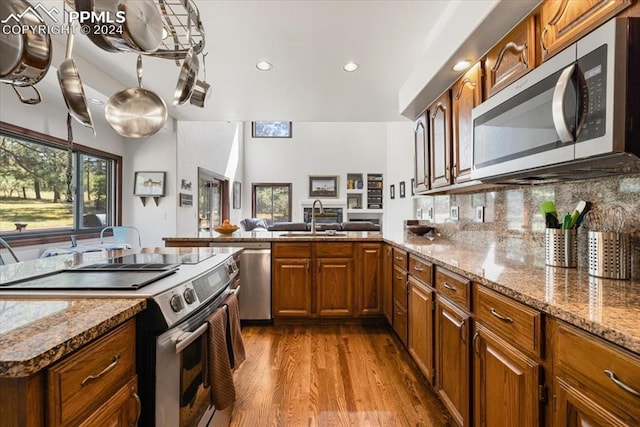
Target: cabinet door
<point>420,324</point>
<point>387,284</point>
<point>440,141</point>
<point>369,278</point>
<point>123,409</point>
<point>400,286</point>
<point>292,287</point>
<point>506,383</point>
<point>453,370</point>
<point>334,287</point>
<point>421,156</point>
<point>562,21</point>
<point>400,321</point>
<point>512,57</point>
<point>467,94</point>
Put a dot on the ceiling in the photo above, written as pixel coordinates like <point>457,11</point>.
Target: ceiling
<point>307,42</point>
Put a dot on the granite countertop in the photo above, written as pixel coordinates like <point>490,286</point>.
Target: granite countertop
<point>605,307</point>
<point>279,236</point>
<point>36,333</point>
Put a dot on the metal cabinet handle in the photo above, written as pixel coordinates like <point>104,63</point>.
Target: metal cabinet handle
<point>462,333</point>
<point>113,364</point>
<point>135,397</point>
<point>399,258</point>
<point>474,342</point>
<point>620,384</point>
<point>399,277</point>
<point>418,268</point>
<point>450,287</point>
<point>544,32</point>
<point>500,316</point>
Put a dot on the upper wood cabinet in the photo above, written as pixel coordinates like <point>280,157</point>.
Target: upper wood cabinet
<point>513,57</point>
<point>564,21</point>
<point>440,141</point>
<point>421,154</point>
<point>467,94</point>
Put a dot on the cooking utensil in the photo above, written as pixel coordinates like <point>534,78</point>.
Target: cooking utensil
<point>72,89</point>
<point>186,79</point>
<point>202,89</point>
<point>549,213</point>
<point>26,56</point>
<point>141,30</point>
<point>136,112</point>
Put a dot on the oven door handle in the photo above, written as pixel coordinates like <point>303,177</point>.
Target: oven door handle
<point>185,340</point>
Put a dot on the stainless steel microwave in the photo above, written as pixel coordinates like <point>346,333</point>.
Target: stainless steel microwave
<point>576,114</point>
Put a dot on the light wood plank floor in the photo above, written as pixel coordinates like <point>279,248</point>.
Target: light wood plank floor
<point>330,375</point>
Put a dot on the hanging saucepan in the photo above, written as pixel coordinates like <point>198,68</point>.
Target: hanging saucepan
<point>139,31</point>
<point>26,55</point>
<point>72,89</point>
<point>186,79</point>
<point>136,112</point>
<point>202,88</point>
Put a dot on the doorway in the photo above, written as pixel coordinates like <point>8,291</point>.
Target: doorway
<point>213,200</point>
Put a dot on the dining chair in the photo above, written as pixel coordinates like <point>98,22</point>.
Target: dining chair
<point>6,245</point>
<point>121,234</point>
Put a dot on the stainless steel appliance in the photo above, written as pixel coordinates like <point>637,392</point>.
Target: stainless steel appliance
<point>573,115</point>
<point>255,279</point>
<point>171,348</point>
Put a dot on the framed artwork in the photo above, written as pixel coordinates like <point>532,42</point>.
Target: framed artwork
<point>186,199</point>
<point>392,191</point>
<point>237,195</point>
<point>149,184</point>
<point>271,129</point>
<point>413,186</point>
<point>323,186</point>
<point>402,189</point>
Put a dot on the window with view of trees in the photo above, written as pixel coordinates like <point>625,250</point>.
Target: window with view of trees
<point>271,129</point>
<point>44,188</point>
<point>271,202</point>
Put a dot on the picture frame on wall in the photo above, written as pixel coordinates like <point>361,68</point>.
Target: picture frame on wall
<point>323,186</point>
<point>392,191</point>
<point>149,184</point>
<point>237,195</point>
<point>402,189</point>
<point>413,186</point>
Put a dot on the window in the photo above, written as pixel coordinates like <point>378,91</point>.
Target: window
<point>213,203</point>
<point>45,190</point>
<point>271,202</point>
<point>271,129</point>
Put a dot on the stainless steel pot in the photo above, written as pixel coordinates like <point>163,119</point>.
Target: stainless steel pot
<point>72,89</point>
<point>26,56</point>
<point>141,30</point>
<point>136,112</point>
<point>186,79</point>
<point>200,93</point>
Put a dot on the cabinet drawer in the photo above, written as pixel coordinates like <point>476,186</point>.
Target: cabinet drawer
<point>400,321</point>
<point>81,383</point>
<point>400,286</point>
<point>400,258</point>
<point>514,322</point>
<point>598,369</point>
<point>453,286</point>
<point>421,270</point>
<point>123,409</point>
<point>292,250</point>
<point>341,249</point>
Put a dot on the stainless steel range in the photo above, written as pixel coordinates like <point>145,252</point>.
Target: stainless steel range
<point>182,291</point>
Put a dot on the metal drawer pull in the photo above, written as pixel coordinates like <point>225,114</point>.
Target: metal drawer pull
<point>462,332</point>
<point>500,316</point>
<point>474,342</point>
<point>399,258</point>
<point>113,364</point>
<point>620,384</point>
<point>450,287</point>
<point>399,277</point>
<point>418,268</point>
<point>138,405</point>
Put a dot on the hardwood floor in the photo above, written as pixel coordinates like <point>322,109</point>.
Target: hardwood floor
<point>330,375</point>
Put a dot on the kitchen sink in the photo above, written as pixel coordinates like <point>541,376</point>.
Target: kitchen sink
<point>310,234</point>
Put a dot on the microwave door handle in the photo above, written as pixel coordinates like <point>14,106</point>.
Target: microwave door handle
<point>583,101</point>
<point>557,105</point>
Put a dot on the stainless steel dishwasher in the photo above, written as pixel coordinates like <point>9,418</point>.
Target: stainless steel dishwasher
<point>255,279</point>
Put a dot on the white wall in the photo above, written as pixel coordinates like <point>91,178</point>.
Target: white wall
<point>315,149</point>
<point>400,167</point>
<point>217,147</point>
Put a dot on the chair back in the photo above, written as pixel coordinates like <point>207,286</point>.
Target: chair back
<point>6,245</point>
<point>121,234</point>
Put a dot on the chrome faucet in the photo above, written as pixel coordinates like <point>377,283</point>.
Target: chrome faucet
<point>313,215</point>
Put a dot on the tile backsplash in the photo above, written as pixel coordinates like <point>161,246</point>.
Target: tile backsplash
<point>508,218</point>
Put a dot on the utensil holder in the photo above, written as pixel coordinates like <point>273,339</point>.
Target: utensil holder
<point>609,255</point>
<point>561,247</point>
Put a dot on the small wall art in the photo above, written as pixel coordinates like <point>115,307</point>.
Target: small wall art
<point>402,189</point>
<point>237,195</point>
<point>149,184</point>
<point>323,186</point>
<point>392,191</point>
<point>186,199</point>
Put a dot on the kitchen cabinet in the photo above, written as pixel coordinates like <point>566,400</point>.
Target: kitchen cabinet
<point>420,326</point>
<point>400,262</point>
<point>369,277</point>
<point>440,141</point>
<point>334,287</point>
<point>512,57</point>
<point>387,283</point>
<point>562,22</point>
<point>596,383</point>
<point>508,382</point>
<point>291,279</point>
<point>467,94</point>
<point>97,385</point>
<point>421,154</point>
<point>453,332</point>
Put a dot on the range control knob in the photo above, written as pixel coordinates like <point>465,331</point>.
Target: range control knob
<point>176,303</point>
<point>189,295</point>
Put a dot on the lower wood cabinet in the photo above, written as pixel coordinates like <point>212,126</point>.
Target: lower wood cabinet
<point>123,409</point>
<point>334,287</point>
<point>420,326</point>
<point>292,287</point>
<point>369,279</point>
<point>387,283</point>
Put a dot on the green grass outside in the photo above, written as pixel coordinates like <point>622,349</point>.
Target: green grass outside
<point>38,214</point>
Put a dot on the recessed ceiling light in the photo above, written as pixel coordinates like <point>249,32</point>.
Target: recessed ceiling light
<point>264,66</point>
<point>350,67</point>
<point>462,65</point>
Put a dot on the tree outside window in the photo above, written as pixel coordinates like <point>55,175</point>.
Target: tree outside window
<point>271,202</point>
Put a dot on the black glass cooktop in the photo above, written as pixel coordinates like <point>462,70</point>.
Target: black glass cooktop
<point>144,261</point>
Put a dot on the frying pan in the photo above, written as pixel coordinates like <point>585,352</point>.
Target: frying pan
<point>187,78</point>
<point>202,88</point>
<point>72,89</point>
<point>25,57</point>
<point>136,112</point>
